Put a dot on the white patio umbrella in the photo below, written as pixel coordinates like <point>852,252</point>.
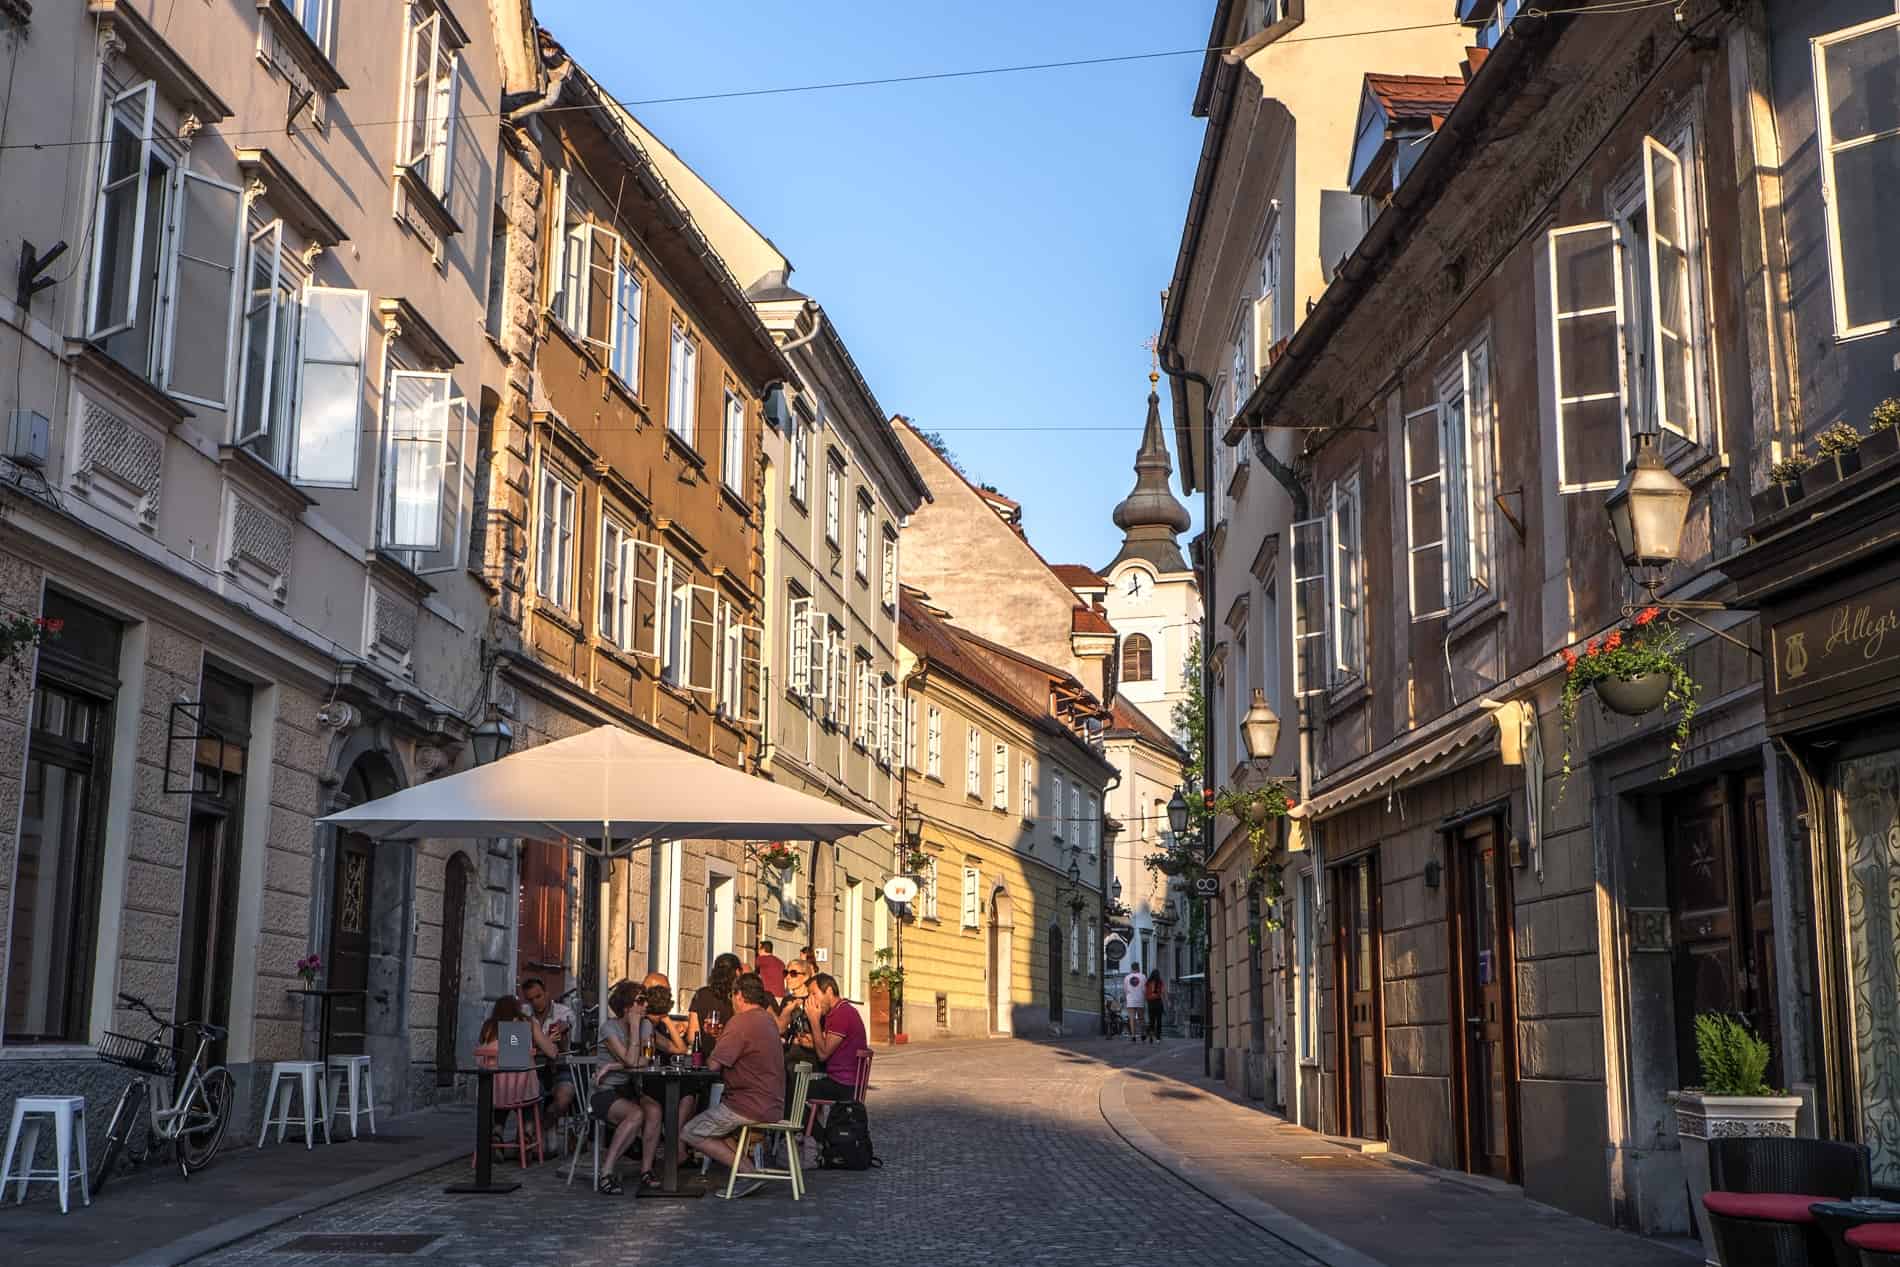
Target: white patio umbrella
<point>607,792</point>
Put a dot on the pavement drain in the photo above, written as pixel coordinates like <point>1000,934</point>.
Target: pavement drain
<point>367,1243</point>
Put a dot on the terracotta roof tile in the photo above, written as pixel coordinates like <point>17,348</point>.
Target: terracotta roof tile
<point>1079,576</point>
<point>1416,96</point>
<point>1129,719</point>
<point>1088,620</point>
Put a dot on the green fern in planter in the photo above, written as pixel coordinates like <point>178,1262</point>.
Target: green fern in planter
<point>1734,1061</point>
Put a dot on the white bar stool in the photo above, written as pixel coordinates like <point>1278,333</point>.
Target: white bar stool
<point>69,1120</point>
<point>352,1073</point>
<point>292,1076</point>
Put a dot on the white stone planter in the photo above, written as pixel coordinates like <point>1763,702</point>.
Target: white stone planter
<point>1701,1118</point>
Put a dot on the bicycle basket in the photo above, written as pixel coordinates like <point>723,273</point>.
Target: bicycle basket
<point>137,1053</point>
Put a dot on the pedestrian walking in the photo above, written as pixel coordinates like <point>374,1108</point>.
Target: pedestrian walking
<point>1134,998</point>
<point>1155,994</point>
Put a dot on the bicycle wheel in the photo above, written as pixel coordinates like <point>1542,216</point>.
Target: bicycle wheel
<point>125,1117</point>
<point>198,1143</point>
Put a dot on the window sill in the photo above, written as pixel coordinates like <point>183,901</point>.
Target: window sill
<point>678,445</point>
<point>736,500</point>
<point>310,56</point>
<point>1476,613</point>
<point>621,388</point>
<point>1347,695</point>
<point>60,1049</point>
<point>934,778</point>
<point>680,693</point>
<point>260,477</point>
<point>545,608</point>
<point>798,504</point>
<point>138,391</point>
<point>427,204</point>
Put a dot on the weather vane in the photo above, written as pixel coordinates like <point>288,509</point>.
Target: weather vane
<point>1153,344</point>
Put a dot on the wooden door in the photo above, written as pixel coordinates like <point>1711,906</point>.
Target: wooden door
<point>1485,1015</point>
<point>208,939</point>
<point>1055,975</point>
<point>1721,911</point>
<point>1361,1045</point>
<point>541,933</point>
<point>350,916</point>
<point>448,999</point>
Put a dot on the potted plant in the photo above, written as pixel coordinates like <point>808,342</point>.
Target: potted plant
<point>1840,456</point>
<point>887,992</point>
<point>1883,432</point>
<point>1634,670</point>
<point>1734,1101</point>
<point>1786,486</point>
<point>18,634</point>
<point>307,969</point>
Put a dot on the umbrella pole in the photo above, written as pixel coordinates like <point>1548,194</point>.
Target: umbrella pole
<point>601,934</point>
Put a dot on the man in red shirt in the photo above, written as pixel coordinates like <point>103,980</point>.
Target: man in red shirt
<point>838,1036</point>
<point>771,970</point>
<point>751,1057</point>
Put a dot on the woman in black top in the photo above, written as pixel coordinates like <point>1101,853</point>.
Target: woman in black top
<point>713,1001</point>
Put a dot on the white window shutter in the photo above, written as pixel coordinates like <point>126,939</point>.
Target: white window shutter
<point>557,247</point>
<point>600,263</point>
<point>257,390</point>
<point>1587,356</point>
<point>799,638</point>
<point>646,568</point>
<point>1478,469</point>
<point>1670,388</point>
<point>701,639</point>
<point>1347,575</point>
<point>115,283</point>
<point>330,387</point>
<point>750,640</point>
<point>1425,514</point>
<point>1311,597</point>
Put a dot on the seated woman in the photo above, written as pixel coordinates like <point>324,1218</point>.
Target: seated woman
<point>669,1039</point>
<point>617,1099</point>
<point>519,1087</point>
<point>712,1003</point>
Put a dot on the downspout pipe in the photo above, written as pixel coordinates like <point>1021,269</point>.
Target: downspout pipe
<point>1171,365</point>
<point>1101,884</point>
<point>518,113</point>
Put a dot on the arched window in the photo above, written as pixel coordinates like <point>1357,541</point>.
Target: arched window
<point>1138,658</point>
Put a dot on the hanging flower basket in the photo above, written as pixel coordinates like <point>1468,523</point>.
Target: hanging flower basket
<point>780,857</point>
<point>1634,670</point>
<point>1632,697</point>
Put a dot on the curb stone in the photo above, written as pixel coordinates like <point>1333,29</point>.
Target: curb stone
<point>1268,1218</point>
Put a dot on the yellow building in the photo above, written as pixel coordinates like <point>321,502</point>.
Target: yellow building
<point>1002,788</point>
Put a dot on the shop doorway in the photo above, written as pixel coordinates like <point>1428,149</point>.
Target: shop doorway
<point>541,929</point>
<point>1055,975</point>
<point>1361,1045</point>
<point>1484,1001</point>
<point>457,880</point>
<point>1721,913</point>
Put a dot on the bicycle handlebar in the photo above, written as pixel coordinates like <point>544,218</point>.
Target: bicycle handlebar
<point>213,1032</point>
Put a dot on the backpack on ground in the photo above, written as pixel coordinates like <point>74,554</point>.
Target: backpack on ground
<point>845,1140</point>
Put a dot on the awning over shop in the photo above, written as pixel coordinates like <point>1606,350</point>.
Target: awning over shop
<point>1509,728</point>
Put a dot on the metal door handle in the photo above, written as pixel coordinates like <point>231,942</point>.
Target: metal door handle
<point>382,997</point>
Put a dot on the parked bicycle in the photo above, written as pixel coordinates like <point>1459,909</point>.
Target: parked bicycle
<point>188,1114</point>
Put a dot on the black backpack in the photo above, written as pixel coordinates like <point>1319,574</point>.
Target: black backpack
<point>845,1142</point>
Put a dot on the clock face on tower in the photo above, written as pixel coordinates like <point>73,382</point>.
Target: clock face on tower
<point>1136,586</point>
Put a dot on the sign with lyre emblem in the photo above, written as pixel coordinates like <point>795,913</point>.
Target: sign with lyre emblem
<point>1834,650</point>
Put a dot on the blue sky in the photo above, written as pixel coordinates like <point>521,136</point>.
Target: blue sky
<point>992,248</point>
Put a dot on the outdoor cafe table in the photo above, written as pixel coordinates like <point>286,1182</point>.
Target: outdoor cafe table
<point>673,1083</point>
<point>485,1184</point>
<point>1838,1218</point>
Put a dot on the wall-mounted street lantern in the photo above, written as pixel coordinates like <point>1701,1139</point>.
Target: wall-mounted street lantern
<point>1178,813</point>
<point>492,740</point>
<point>1115,889</point>
<point>1260,728</point>
<point>1648,509</point>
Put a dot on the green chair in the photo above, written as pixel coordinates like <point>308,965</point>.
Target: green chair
<point>790,1128</point>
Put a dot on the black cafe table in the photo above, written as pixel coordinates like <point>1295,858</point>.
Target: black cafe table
<point>1838,1218</point>
<point>672,1084</point>
<point>326,996</point>
<point>485,1184</point>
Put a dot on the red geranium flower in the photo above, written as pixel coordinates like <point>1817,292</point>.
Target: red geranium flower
<point>1614,641</point>
<point>1590,647</point>
<point>1646,615</point>
<point>1570,660</point>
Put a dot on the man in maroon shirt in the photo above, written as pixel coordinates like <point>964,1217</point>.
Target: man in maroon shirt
<point>838,1036</point>
<point>751,1057</point>
<point>771,970</point>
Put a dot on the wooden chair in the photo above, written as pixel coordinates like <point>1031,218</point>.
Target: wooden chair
<point>789,1129</point>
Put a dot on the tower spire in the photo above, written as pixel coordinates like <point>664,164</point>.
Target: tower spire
<point>1150,517</point>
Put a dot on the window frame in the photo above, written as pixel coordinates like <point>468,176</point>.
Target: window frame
<point>557,496</point>
<point>1141,647</point>
<point>623,359</point>
<point>146,92</point>
<point>798,475</point>
<point>166,362</point>
<point>352,428</point>
<point>933,743</point>
<point>732,454</point>
<point>972,897</point>
<point>682,384</point>
<point>614,619</point>
<point>999,776</point>
<point>973,765</point>
<point>927,904</point>
<point>888,569</point>
<point>1828,147</point>
<point>1348,635</point>
<point>834,499</point>
<point>399,441</point>
<point>437,177</point>
<point>861,542</point>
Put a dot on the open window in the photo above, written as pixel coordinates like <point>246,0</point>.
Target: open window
<point>1348,580</point>
<point>1265,304</point>
<point>269,347</point>
<point>616,623</point>
<point>646,569</point>
<point>739,679</point>
<point>431,100</point>
<point>629,294</point>
<point>682,385</point>
<point>554,541</point>
<point>330,386</point>
<point>1424,515</point>
<point>600,250</point>
<point>207,248</point>
<point>1587,338</point>
<point>1669,383</point>
<point>124,229</point>
<point>799,644</point>
<point>1859,125</point>
<point>420,413</point>
<point>1311,598</point>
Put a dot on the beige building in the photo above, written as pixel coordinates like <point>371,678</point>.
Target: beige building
<point>1271,215</point>
<point>240,469</point>
<point>838,489</point>
<point>1006,838</point>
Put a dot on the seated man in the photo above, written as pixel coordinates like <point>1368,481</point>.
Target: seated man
<point>557,1020</point>
<point>838,1036</point>
<point>669,1039</point>
<point>748,1055</point>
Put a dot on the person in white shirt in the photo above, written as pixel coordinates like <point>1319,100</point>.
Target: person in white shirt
<point>557,1018</point>
<point>1134,1001</point>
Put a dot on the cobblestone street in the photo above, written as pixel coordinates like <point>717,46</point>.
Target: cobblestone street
<point>1001,1152</point>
